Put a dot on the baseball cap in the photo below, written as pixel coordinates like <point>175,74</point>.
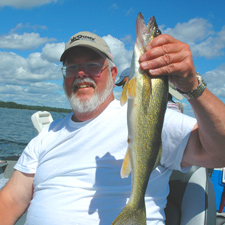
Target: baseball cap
<point>90,40</point>
<point>126,73</point>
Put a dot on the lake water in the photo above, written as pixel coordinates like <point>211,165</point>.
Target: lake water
<point>16,130</point>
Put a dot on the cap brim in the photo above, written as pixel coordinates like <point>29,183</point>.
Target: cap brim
<point>63,57</point>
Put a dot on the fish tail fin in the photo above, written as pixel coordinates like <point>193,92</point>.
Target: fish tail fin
<point>126,166</point>
<point>131,216</point>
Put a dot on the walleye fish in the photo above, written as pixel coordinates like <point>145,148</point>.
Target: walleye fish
<point>147,101</point>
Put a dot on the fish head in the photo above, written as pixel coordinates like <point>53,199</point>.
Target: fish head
<point>147,32</point>
<point>153,27</point>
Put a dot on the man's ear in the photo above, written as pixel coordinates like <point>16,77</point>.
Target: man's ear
<point>114,73</point>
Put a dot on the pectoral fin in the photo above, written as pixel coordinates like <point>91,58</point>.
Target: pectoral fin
<point>123,97</point>
<point>131,89</point>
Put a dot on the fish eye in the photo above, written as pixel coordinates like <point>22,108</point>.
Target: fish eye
<point>158,32</point>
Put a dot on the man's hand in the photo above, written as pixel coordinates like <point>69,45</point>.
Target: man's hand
<point>168,56</point>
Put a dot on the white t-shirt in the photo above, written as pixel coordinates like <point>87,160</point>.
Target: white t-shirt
<point>77,169</point>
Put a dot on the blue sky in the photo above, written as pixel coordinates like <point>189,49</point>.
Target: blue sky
<point>33,35</point>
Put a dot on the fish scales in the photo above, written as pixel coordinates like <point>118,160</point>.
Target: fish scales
<point>147,100</point>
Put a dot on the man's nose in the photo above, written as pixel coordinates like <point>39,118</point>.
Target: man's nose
<point>81,72</point>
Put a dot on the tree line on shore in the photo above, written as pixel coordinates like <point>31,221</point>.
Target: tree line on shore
<point>14,105</point>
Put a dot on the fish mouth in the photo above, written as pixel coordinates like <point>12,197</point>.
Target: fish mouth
<point>152,22</point>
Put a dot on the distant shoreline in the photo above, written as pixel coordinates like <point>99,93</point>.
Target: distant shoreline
<point>13,105</point>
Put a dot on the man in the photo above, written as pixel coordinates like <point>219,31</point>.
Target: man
<point>69,174</point>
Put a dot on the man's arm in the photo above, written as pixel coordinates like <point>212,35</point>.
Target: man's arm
<point>206,146</point>
<point>15,197</point>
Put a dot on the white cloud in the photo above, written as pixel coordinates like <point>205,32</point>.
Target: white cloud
<point>29,80</point>
<point>25,3</point>
<point>23,71</point>
<point>42,69</point>
<point>52,52</point>
<point>10,89</point>
<point>41,93</point>
<point>21,26</point>
<point>114,6</point>
<point>128,40</point>
<point>122,56</point>
<point>25,80</point>
<point>23,42</point>
<point>43,88</point>
<point>11,67</point>
<point>212,47</point>
<point>196,29</point>
<point>201,37</point>
<point>130,11</point>
<point>215,80</point>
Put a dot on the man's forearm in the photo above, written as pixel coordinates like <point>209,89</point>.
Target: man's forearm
<point>210,114</point>
<point>7,215</point>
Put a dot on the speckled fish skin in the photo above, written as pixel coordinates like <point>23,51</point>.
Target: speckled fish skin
<point>146,109</point>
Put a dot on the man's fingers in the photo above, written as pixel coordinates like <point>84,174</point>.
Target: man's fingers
<point>162,61</point>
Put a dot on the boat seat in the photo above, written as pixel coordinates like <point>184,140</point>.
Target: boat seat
<point>40,120</point>
<point>192,198</point>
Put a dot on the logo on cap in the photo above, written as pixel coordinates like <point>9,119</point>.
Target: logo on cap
<point>81,37</point>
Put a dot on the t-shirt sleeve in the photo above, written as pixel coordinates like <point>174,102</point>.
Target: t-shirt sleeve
<point>28,161</point>
<point>176,131</point>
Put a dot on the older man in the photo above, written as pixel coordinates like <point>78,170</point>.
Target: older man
<point>69,173</point>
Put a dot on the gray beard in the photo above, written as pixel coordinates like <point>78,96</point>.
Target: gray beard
<point>92,103</point>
